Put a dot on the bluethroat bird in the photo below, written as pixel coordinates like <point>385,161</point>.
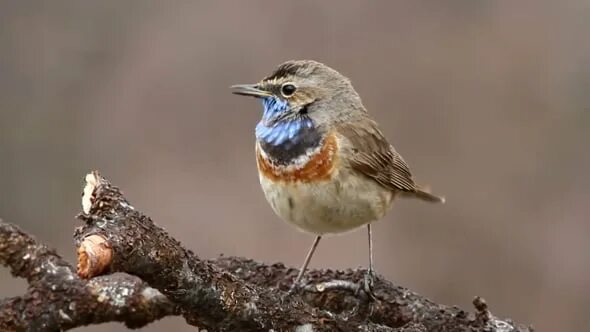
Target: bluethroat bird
<point>323,163</point>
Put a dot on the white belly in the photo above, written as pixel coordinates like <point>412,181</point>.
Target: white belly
<point>333,206</point>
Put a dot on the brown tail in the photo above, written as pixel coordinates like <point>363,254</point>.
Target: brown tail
<point>424,194</point>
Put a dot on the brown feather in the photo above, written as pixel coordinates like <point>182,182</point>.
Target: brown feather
<point>374,157</point>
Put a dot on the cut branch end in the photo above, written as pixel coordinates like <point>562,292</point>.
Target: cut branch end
<point>92,180</point>
<point>95,255</point>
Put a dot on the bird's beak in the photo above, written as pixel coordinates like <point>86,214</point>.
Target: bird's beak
<point>252,90</point>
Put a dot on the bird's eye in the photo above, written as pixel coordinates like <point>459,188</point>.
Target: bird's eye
<point>288,89</point>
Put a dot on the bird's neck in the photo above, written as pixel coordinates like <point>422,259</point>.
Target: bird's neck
<point>284,139</point>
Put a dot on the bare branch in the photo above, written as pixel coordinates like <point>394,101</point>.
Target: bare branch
<point>223,294</point>
<point>57,299</point>
<point>230,294</point>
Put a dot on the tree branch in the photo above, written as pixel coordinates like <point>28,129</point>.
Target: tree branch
<point>57,299</point>
<point>230,294</point>
<point>223,294</point>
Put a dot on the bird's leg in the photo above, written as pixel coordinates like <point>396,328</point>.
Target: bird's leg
<point>370,248</point>
<point>370,276</point>
<point>296,284</point>
<point>365,285</point>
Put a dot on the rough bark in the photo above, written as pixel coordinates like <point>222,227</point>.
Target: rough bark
<point>223,294</point>
<point>57,299</point>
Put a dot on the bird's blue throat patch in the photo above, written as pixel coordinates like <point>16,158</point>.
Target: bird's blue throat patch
<point>274,131</point>
<point>284,140</point>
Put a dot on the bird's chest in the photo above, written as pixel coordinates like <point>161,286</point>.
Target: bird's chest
<point>314,164</point>
<point>315,193</point>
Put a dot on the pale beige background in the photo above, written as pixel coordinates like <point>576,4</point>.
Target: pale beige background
<point>487,100</point>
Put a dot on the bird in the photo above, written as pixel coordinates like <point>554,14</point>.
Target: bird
<point>323,163</point>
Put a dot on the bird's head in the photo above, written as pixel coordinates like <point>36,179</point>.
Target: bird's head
<point>301,97</point>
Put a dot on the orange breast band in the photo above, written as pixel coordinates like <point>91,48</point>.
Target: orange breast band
<point>319,167</point>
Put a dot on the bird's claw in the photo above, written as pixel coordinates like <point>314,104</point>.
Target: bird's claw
<point>294,289</point>
<point>368,283</point>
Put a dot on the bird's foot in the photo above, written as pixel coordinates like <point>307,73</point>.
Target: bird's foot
<point>367,285</point>
<point>294,289</point>
<point>362,288</point>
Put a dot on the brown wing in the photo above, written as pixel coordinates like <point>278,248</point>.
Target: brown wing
<point>374,157</point>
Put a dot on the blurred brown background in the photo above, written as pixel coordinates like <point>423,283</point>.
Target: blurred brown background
<point>487,100</point>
